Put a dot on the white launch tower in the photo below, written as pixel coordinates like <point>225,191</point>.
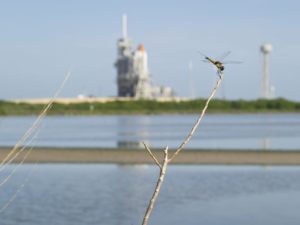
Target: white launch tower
<point>133,76</point>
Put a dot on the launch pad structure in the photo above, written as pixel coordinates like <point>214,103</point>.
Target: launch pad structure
<point>133,76</point>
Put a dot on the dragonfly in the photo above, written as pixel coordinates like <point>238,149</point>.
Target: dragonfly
<point>218,62</point>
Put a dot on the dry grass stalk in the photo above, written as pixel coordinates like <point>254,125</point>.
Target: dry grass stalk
<point>16,149</point>
<point>16,168</point>
<point>17,153</point>
<point>36,123</point>
<point>20,188</point>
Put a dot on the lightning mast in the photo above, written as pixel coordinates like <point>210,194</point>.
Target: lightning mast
<point>124,26</point>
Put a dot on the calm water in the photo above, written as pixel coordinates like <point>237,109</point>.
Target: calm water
<point>90,194</point>
<point>251,131</point>
<point>113,195</point>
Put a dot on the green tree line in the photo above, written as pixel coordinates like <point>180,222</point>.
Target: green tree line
<point>153,107</point>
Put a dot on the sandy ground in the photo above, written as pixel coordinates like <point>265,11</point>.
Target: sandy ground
<point>127,156</point>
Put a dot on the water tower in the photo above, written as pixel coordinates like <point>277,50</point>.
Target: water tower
<point>266,88</point>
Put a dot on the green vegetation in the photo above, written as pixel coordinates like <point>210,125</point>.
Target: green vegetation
<point>153,107</point>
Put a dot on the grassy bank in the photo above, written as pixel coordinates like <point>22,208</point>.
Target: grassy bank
<point>153,107</point>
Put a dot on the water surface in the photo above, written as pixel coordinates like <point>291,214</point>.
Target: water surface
<point>232,131</point>
<point>112,195</point>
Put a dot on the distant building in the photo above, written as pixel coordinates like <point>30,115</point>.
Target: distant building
<point>133,77</point>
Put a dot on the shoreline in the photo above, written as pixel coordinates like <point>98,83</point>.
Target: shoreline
<point>124,106</point>
<point>140,156</point>
<point>159,113</point>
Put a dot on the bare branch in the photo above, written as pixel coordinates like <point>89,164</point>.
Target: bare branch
<point>167,160</point>
<point>152,155</point>
<point>160,180</point>
<point>189,136</point>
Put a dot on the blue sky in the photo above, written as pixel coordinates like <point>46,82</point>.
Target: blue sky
<point>41,40</point>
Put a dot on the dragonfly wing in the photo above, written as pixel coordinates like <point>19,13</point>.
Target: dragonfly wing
<point>232,62</point>
<point>206,57</point>
<point>223,56</point>
<point>202,54</point>
<point>219,73</point>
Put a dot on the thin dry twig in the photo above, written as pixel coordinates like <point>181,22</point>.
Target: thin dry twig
<point>152,155</point>
<point>191,133</point>
<point>167,160</point>
<point>160,180</point>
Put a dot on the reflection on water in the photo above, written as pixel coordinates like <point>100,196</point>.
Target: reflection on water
<point>130,144</point>
<point>125,125</point>
<point>265,143</point>
<point>241,131</point>
<point>113,195</point>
